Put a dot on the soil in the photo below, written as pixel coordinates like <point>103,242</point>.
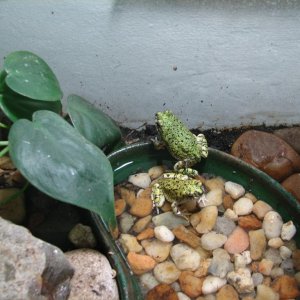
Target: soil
<point>219,139</point>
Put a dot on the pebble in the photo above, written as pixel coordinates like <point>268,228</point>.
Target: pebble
<point>296,259</point>
<point>276,272</point>
<point>187,236</point>
<point>120,205</point>
<point>127,195</point>
<point>250,222</point>
<point>265,266</point>
<point>241,280</point>
<point>182,296</point>
<point>275,243</point>
<point>257,278</point>
<point>272,224</point>
<point>224,225</point>
<point>212,284</point>
<point>141,207</point>
<point>258,243</point>
<point>141,224</point>
<point>292,184</point>
<point>163,233</point>
<point>213,197</point>
<point>237,241</point>
<point>203,267</point>
<point>266,293</point>
<point>157,249</point>
<point>166,272</point>
<point>286,286</point>
<point>235,190</point>
<point>156,172</point>
<point>230,214</point>
<point>207,216</point>
<point>273,255</point>
<point>140,263</point>
<point>185,257</point>
<point>228,202</point>
<point>190,284</point>
<point>220,264</point>
<point>148,233</point>
<point>288,230</point>
<point>81,236</point>
<point>285,252</point>
<point>215,183</point>
<point>255,146</point>
<point>260,208</point>
<point>169,219</point>
<point>162,291</point>
<point>130,243</point>
<point>148,281</point>
<point>126,222</point>
<point>213,240</point>
<point>287,266</point>
<point>227,292</point>
<point>141,180</point>
<point>243,206</point>
<point>242,260</point>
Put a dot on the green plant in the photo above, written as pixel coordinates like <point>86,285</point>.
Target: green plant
<point>63,161</point>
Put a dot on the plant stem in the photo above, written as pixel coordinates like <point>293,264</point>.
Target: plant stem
<point>4,151</point>
<point>2,125</point>
<point>3,143</point>
<point>15,195</point>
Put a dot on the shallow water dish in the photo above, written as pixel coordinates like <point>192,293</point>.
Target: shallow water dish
<point>142,156</point>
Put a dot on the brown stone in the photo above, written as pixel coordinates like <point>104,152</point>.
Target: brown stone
<point>148,233</point>
<point>292,185</point>
<point>162,292</point>
<point>127,195</point>
<point>296,259</point>
<point>141,207</point>
<point>187,236</point>
<point>267,152</point>
<point>202,271</point>
<point>228,202</point>
<point>250,222</point>
<point>120,206</point>
<point>139,263</point>
<point>227,292</point>
<point>286,286</point>
<point>141,224</point>
<point>291,136</point>
<point>190,284</point>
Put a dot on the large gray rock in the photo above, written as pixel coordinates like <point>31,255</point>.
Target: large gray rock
<point>30,268</point>
<point>94,279</point>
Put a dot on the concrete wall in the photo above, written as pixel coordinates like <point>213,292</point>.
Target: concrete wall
<point>215,63</point>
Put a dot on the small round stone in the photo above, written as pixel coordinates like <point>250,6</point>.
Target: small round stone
<point>166,272</point>
<point>275,243</point>
<point>141,180</point>
<point>235,190</point>
<point>157,249</point>
<point>288,230</point>
<point>237,241</point>
<point>163,233</point>
<point>243,206</point>
<point>272,224</point>
<point>213,240</point>
<point>212,284</point>
<point>285,252</point>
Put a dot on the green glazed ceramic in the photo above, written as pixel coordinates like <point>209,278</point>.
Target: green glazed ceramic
<point>140,157</point>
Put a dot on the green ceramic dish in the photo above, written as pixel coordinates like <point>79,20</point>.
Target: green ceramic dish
<point>142,156</point>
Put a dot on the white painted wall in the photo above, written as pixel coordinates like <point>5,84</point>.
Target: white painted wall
<point>238,62</point>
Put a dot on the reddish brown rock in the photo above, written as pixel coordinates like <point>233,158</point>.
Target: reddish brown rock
<point>141,207</point>
<point>148,233</point>
<point>163,292</point>
<point>286,286</point>
<point>139,263</point>
<point>291,136</point>
<point>237,241</point>
<point>227,292</point>
<point>190,284</point>
<point>292,185</point>
<point>187,236</point>
<point>120,206</point>
<point>250,222</point>
<point>228,202</point>
<point>268,153</point>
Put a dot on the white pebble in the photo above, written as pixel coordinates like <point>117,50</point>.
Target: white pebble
<point>288,230</point>
<point>184,257</point>
<point>275,243</point>
<point>156,171</point>
<point>166,272</point>
<point>141,180</point>
<point>163,233</point>
<point>182,296</point>
<point>213,240</point>
<point>213,197</point>
<point>243,206</point>
<point>285,252</point>
<point>148,281</point>
<point>230,214</point>
<point>272,224</point>
<point>211,284</point>
<point>235,190</point>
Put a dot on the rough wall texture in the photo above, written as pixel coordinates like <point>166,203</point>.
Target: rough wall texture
<point>216,63</point>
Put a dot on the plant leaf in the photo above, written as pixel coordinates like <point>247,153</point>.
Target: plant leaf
<point>30,76</point>
<point>2,80</point>
<point>92,123</point>
<point>57,160</point>
<point>16,106</point>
